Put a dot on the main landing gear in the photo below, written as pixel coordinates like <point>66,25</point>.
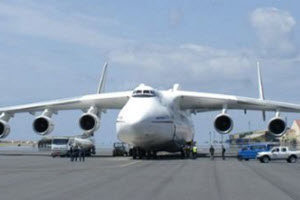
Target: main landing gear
<point>139,153</point>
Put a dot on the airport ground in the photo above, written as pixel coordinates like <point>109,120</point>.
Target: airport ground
<point>41,177</point>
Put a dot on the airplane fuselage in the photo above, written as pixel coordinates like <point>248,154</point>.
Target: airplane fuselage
<point>155,122</point>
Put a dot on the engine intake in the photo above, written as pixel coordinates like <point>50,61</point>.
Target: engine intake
<point>43,125</point>
<point>4,129</point>
<point>277,126</point>
<point>89,122</point>
<point>223,124</point>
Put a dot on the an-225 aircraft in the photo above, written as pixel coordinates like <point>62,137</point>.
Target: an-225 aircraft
<point>151,120</point>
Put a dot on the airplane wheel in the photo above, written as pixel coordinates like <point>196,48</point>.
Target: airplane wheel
<point>139,153</point>
<point>134,153</point>
<point>148,155</point>
<point>154,154</point>
<point>182,154</point>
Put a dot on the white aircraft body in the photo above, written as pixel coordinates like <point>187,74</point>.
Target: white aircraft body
<point>151,120</point>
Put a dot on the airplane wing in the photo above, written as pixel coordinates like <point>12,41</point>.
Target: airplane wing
<point>201,102</point>
<point>115,100</point>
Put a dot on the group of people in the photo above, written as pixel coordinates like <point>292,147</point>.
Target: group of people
<point>77,152</point>
<point>212,152</point>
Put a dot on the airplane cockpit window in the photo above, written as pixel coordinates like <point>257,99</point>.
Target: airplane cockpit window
<point>144,93</point>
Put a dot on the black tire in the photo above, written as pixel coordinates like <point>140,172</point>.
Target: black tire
<point>134,153</point>
<point>265,159</point>
<point>240,158</point>
<point>292,159</point>
<point>140,154</point>
<point>247,159</point>
<point>183,156</point>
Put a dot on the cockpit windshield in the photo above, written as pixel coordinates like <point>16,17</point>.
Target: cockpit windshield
<point>144,93</point>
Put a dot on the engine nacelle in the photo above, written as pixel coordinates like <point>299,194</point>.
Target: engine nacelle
<point>43,125</point>
<point>89,122</point>
<point>277,126</point>
<point>4,129</point>
<point>223,124</point>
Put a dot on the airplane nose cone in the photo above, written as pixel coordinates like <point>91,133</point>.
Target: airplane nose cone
<point>138,123</point>
<point>142,130</point>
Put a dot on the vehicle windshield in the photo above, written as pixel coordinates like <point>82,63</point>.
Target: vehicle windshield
<point>245,148</point>
<point>60,141</point>
<point>144,93</point>
<point>118,145</point>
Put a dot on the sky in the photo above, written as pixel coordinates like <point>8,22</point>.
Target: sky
<point>56,49</point>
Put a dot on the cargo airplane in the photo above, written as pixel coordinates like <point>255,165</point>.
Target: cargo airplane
<point>151,120</point>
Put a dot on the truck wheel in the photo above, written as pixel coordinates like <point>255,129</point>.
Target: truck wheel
<point>265,159</point>
<point>240,158</point>
<point>247,159</point>
<point>292,159</point>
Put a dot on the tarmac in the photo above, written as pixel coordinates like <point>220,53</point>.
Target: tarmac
<point>42,177</point>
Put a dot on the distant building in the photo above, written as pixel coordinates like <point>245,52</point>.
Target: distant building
<point>252,137</point>
<point>291,137</point>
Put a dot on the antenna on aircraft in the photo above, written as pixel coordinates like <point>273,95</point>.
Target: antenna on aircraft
<point>260,83</point>
<point>261,89</point>
<point>102,79</point>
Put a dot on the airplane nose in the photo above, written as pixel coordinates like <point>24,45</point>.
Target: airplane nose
<point>141,122</point>
<point>140,129</point>
<point>137,120</point>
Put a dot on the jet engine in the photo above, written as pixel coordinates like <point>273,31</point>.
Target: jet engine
<point>89,122</point>
<point>4,129</point>
<point>277,126</point>
<point>223,123</point>
<point>43,125</point>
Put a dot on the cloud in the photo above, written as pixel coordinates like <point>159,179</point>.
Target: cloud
<point>168,63</point>
<point>50,23</point>
<point>160,63</point>
<point>274,29</point>
<point>175,17</point>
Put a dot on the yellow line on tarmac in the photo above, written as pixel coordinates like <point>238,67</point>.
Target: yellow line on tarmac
<point>131,163</point>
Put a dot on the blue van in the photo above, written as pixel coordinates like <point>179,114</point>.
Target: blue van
<point>250,151</point>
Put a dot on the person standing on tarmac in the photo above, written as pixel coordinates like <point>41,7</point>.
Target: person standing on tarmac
<point>223,152</point>
<point>76,152</point>
<point>194,152</point>
<point>81,154</point>
<point>212,152</point>
<point>71,153</point>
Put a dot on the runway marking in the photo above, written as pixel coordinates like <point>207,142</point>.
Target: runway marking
<point>131,163</point>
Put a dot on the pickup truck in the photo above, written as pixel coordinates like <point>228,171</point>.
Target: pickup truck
<point>278,153</point>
